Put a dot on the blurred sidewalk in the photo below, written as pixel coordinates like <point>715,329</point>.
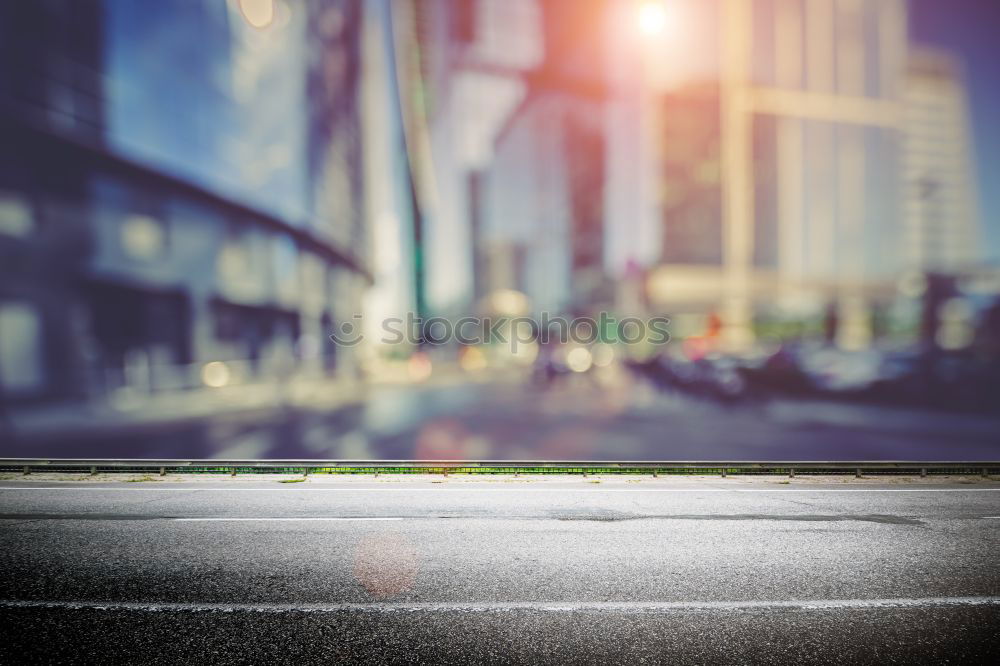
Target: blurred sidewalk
<point>130,410</point>
<point>134,411</point>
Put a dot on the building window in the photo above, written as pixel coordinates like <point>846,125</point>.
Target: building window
<point>21,360</point>
<point>16,217</point>
<point>143,237</point>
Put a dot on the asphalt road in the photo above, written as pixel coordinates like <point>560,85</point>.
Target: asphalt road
<point>429,569</point>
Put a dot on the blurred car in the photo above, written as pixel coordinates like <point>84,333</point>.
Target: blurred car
<point>836,371</point>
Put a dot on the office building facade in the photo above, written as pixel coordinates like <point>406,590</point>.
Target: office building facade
<point>180,187</point>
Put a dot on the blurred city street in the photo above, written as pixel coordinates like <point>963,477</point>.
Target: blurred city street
<point>548,570</point>
<point>585,417</point>
<point>581,424</point>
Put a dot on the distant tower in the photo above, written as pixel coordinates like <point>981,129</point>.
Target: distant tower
<point>940,228</point>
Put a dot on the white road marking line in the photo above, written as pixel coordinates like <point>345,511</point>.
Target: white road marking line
<point>244,520</point>
<point>516,490</point>
<point>508,606</point>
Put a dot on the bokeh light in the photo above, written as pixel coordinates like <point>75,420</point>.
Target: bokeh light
<point>652,17</point>
<point>258,13</point>
<point>386,564</point>
<point>579,359</point>
<point>215,374</point>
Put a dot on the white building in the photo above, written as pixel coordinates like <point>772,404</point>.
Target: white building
<point>803,164</point>
<point>941,230</point>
